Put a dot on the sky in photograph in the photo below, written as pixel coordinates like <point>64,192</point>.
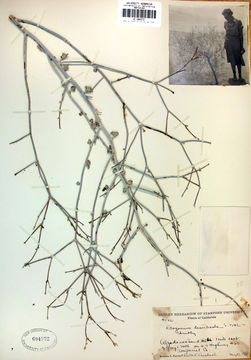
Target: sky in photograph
<point>185,18</point>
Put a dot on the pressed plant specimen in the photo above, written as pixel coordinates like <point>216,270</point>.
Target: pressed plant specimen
<point>121,187</point>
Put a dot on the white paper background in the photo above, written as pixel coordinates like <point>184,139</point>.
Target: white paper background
<point>224,240</point>
<point>223,113</point>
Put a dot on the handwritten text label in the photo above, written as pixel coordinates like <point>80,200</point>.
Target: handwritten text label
<point>221,332</point>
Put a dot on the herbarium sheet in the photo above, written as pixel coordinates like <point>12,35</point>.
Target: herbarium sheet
<point>125,202</point>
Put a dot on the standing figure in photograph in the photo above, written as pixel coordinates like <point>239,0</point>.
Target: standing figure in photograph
<point>234,44</point>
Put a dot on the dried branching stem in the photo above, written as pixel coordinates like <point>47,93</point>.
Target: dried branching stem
<point>86,234</point>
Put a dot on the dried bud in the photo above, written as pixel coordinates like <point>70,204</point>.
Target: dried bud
<point>126,278</point>
<point>40,47</point>
<point>105,213</point>
<point>88,89</point>
<point>63,56</point>
<point>65,67</point>
<point>89,142</point>
<point>129,182</point>
<point>88,164</point>
<point>120,260</point>
<point>73,88</point>
<point>114,133</point>
<point>106,187</point>
<point>94,125</point>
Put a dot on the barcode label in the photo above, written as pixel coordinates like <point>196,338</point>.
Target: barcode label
<point>139,13</point>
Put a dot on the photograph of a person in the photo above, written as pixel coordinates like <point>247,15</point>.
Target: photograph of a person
<point>208,44</point>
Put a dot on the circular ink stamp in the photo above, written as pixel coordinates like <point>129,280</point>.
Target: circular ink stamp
<point>39,339</point>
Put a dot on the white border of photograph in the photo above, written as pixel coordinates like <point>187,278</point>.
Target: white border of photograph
<point>196,30</point>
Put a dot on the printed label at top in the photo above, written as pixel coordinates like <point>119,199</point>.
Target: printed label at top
<point>139,13</point>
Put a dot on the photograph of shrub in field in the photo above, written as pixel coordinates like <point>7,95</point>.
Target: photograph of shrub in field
<point>201,32</point>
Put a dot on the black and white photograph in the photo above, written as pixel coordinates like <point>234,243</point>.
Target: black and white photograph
<point>208,44</point>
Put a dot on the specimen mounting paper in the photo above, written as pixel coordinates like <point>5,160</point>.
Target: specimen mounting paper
<point>224,240</point>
